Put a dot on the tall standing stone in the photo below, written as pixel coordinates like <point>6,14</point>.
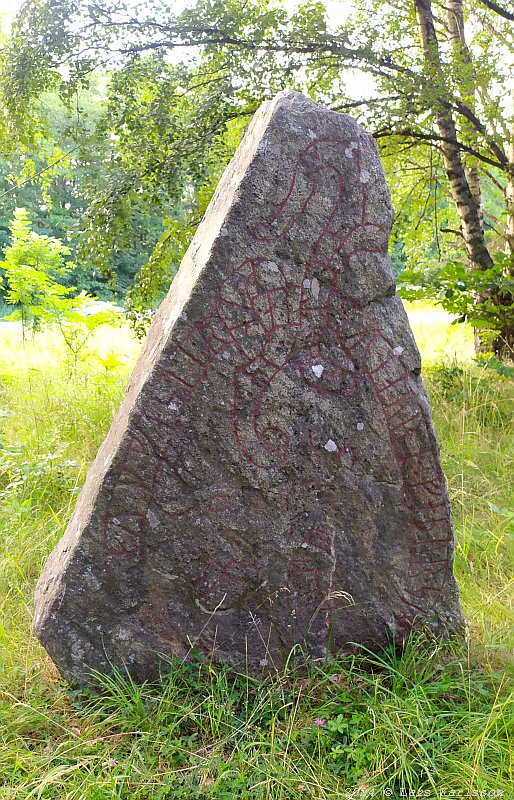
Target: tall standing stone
<point>272,476</point>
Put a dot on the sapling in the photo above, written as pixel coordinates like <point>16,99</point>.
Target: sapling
<point>33,267</point>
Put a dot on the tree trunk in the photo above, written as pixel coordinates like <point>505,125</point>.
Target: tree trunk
<point>467,208</point>
<point>457,38</point>
<point>507,337</point>
<point>464,187</point>
<point>509,194</point>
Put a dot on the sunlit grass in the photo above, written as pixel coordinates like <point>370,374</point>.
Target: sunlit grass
<point>437,337</point>
<point>47,350</point>
<point>436,717</point>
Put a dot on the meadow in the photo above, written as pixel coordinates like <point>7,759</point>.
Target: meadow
<point>434,721</point>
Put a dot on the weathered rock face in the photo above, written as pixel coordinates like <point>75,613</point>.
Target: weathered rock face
<point>272,477</point>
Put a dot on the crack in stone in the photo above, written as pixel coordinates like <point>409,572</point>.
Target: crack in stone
<point>214,611</point>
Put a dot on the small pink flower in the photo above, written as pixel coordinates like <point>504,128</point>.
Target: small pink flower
<point>320,723</point>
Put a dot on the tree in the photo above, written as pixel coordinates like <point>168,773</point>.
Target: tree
<point>440,71</point>
<point>464,179</point>
<point>55,179</point>
<point>32,269</point>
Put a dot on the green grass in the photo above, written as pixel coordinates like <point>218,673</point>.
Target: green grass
<point>437,717</point>
<point>436,336</point>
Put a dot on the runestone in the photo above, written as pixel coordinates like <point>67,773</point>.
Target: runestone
<point>272,478</point>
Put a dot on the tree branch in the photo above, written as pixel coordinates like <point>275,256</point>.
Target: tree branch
<point>432,137</point>
<point>498,9</point>
<point>468,114</point>
<point>494,181</point>
<point>495,228</point>
<point>452,230</point>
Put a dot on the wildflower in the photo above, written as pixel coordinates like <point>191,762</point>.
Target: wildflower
<point>320,723</point>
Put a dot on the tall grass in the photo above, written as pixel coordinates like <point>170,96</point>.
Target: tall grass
<point>436,336</point>
<point>435,719</point>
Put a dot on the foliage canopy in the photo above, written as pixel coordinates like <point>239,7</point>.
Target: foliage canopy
<point>436,79</point>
